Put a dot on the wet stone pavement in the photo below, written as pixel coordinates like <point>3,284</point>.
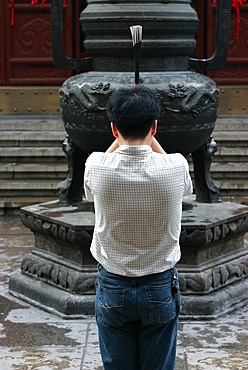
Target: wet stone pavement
<point>31,338</point>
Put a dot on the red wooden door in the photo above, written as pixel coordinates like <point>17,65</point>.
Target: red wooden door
<point>236,70</point>
<point>25,47</point>
<point>26,57</point>
<point>2,59</point>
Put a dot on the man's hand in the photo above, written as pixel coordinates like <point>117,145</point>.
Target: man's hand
<point>112,147</point>
<point>156,147</point>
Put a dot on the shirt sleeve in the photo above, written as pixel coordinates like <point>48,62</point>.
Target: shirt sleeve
<point>187,181</point>
<point>87,189</point>
<point>88,193</point>
<point>91,160</point>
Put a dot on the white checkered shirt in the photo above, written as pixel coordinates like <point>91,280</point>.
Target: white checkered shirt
<point>137,195</point>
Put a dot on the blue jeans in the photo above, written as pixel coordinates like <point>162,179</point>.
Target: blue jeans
<point>137,320</point>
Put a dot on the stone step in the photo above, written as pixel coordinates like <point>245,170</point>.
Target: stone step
<point>223,169</point>
<point>236,198</point>
<point>31,123</point>
<point>29,184</point>
<point>17,171</point>
<point>32,138</point>
<point>231,151</point>
<point>39,187</point>
<point>237,184</point>
<point>228,157</point>
<point>32,154</point>
<point>231,123</point>
<point>231,138</point>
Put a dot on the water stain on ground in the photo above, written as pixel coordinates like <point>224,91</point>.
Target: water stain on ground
<point>33,335</point>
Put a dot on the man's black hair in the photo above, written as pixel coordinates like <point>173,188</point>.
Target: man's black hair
<point>133,111</point>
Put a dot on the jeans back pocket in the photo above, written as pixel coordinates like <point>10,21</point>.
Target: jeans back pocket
<point>110,306</point>
<point>161,304</point>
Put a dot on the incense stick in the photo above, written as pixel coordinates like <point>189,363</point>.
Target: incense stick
<point>136,33</point>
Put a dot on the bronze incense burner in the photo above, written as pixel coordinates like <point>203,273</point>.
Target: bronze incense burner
<point>189,99</point>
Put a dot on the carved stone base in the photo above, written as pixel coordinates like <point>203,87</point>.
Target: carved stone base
<point>209,307</point>
<point>50,298</point>
<point>60,274</point>
<point>214,261</point>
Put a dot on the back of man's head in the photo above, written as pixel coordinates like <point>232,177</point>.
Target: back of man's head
<point>133,111</point>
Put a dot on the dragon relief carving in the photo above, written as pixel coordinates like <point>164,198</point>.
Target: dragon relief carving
<point>89,97</point>
<point>183,99</point>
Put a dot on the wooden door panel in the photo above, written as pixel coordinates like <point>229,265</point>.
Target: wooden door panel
<point>200,8</point>
<point>236,69</point>
<point>2,47</point>
<point>28,45</point>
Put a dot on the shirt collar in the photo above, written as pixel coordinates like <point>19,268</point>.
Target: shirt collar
<point>134,150</point>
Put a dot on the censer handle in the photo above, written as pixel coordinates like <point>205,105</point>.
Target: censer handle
<point>59,58</point>
<point>219,57</point>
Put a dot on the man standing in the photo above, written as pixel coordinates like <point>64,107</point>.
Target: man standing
<point>137,191</point>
